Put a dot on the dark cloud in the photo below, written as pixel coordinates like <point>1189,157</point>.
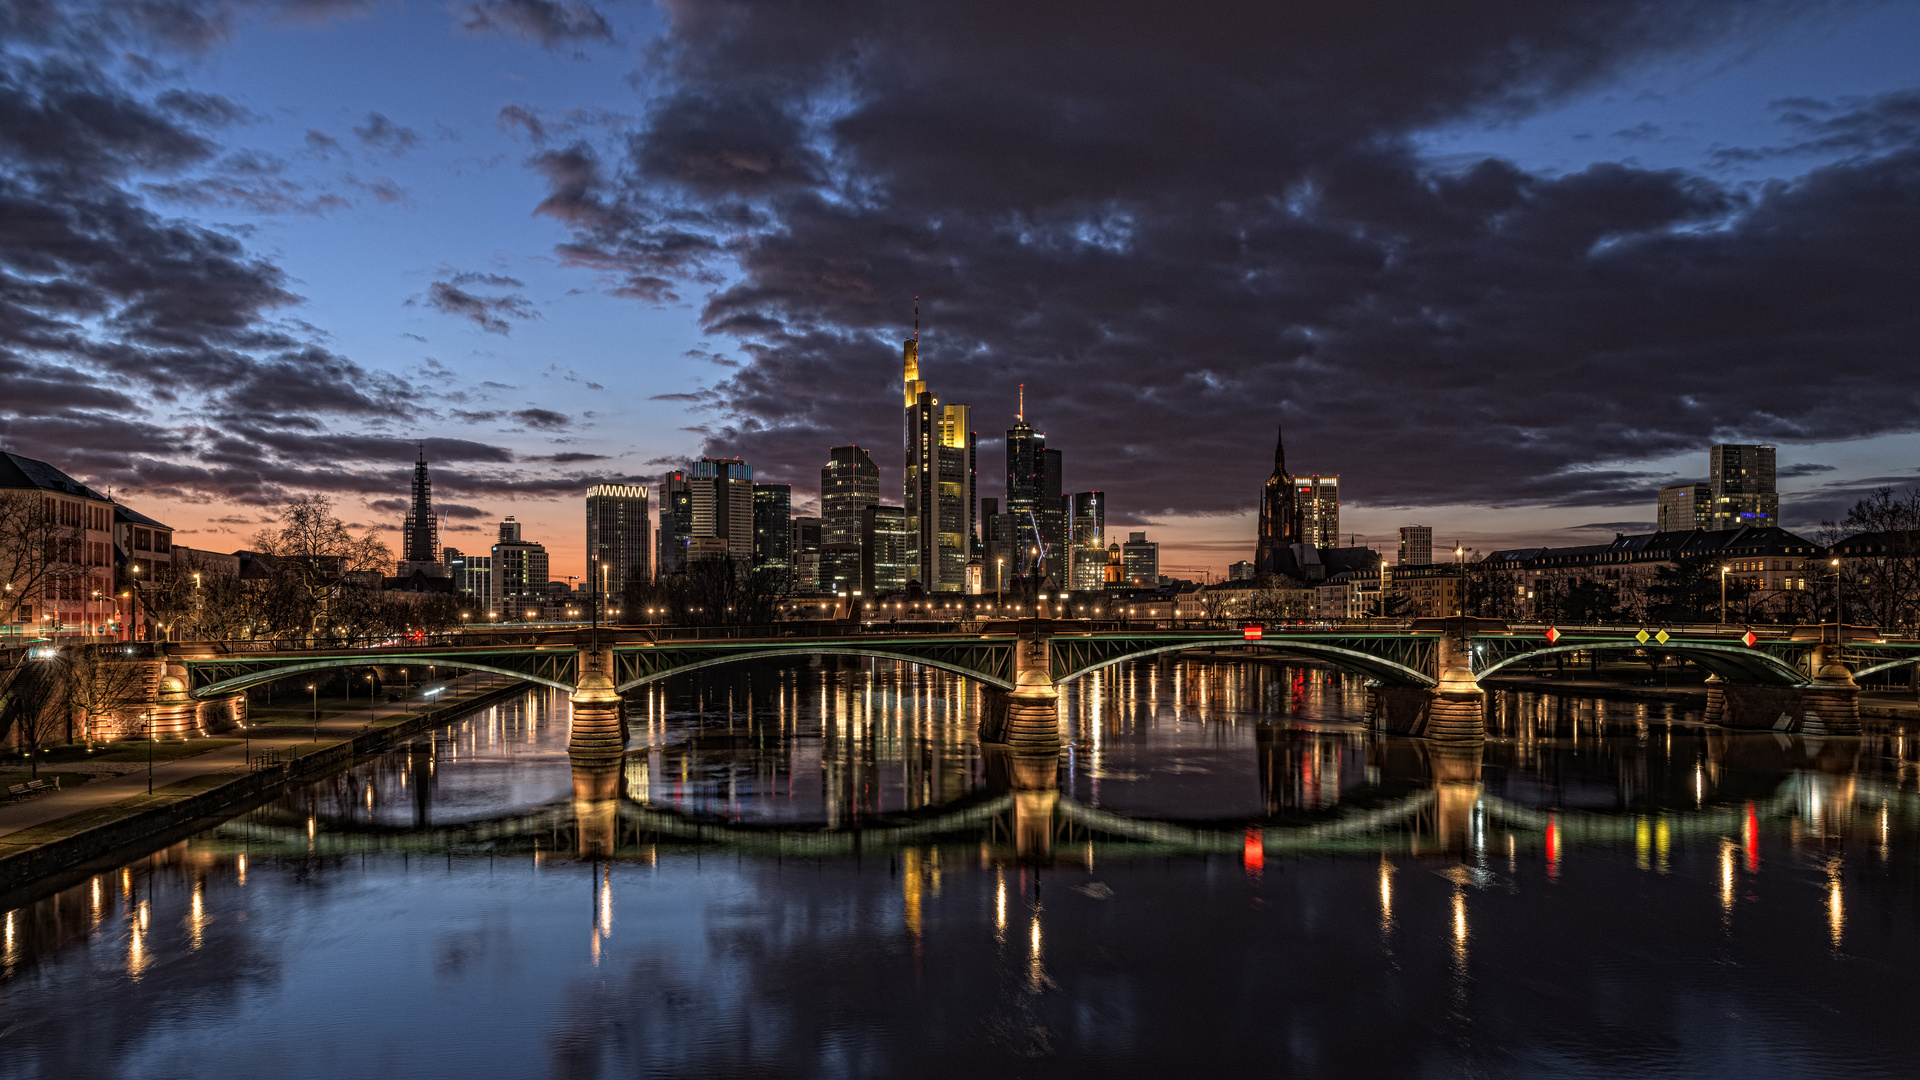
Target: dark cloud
<point>380,133</point>
<point>568,458</point>
<point>548,22</point>
<point>490,313</point>
<point>1180,232</point>
<point>1804,468</point>
<point>524,119</point>
<point>545,419</point>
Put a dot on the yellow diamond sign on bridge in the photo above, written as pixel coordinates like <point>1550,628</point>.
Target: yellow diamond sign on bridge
<point>1662,637</point>
<point>1642,637</point>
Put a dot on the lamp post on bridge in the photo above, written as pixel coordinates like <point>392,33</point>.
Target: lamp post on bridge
<point>1724,568</point>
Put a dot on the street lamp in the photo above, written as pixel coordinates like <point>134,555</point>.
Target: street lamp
<point>1724,568</point>
<point>314,688</point>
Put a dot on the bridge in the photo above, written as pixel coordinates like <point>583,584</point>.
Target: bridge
<point>1424,676</point>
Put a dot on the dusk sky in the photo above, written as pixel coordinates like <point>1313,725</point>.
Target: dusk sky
<point>1505,266</point>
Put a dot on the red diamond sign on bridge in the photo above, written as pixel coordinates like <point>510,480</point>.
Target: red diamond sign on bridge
<point>1749,638</point>
<point>1553,635</point>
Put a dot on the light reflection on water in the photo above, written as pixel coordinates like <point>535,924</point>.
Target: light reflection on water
<point>817,871</point>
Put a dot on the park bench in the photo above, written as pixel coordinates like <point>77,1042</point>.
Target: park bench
<point>33,787</point>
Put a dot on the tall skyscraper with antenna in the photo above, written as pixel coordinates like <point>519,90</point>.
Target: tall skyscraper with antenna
<point>939,479</point>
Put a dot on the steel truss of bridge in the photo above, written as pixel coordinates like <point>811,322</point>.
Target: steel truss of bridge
<point>1408,657</point>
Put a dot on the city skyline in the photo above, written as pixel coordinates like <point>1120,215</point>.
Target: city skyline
<point>295,292</point>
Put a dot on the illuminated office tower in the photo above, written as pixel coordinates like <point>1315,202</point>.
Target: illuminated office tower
<point>1416,545</point>
<point>618,538</point>
<point>1140,560</point>
<point>721,491</point>
<point>939,481</point>
<point>1089,550</point>
<point>773,526</point>
<point>676,523</point>
<point>849,483</point>
<point>1742,481</point>
<point>1684,508</point>
<point>1316,499</point>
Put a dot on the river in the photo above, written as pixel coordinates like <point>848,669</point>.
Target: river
<point>814,870</point>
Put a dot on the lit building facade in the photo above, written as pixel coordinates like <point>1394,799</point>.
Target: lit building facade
<point>1089,548</point>
<point>69,588</point>
<point>619,535</point>
<point>849,483</point>
<point>939,481</point>
<point>518,574</point>
<point>1684,507</point>
<point>773,527</point>
<point>1741,479</point>
<point>806,555</point>
<point>676,524</point>
<point>1140,561</point>
<point>1416,545</point>
<point>1316,499</point>
<point>883,550</point>
<point>721,497</point>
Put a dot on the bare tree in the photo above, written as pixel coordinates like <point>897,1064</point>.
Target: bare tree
<point>313,551</point>
<point>30,708</point>
<point>38,554</point>
<point>94,682</point>
<point>720,592</point>
<point>1880,578</point>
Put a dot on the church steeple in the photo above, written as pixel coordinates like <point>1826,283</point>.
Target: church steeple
<point>1280,450</point>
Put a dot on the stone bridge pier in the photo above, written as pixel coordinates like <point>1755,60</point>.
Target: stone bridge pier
<point>1827,704</point>
<point>597,732</point>
<point>1027,718</point>
<point>1454,710</point>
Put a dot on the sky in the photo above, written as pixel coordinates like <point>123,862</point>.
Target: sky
<point>1504,267</point>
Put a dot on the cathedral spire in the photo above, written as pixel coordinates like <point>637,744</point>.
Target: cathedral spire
<point>1280,450</point>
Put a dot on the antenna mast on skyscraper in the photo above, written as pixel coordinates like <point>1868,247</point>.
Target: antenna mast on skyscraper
<point>1022,414</point>
<point>916,318</point>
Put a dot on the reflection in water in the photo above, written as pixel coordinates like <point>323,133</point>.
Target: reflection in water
<point>819,871</point>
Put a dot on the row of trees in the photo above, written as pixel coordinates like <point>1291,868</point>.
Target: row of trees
<point>312,583</point>
<point>59,696</point>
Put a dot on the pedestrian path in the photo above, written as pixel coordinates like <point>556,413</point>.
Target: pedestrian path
<point>284,738</point>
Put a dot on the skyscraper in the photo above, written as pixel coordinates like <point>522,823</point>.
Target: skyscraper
<point>676,523</point>
<point>1054,514</point>
<point>519,574</point>
<point>939,479</point>
<point>419,532</point>
<point>849,482</point>
<point>773,526</point>
<point>721,498</point>
<point>1140,560</point>
<point>883,550</point>
<point>1089,541</point>
<point>618,538</point>
<point>1416,545</point>
<point>806,555</point>
<point>1279,513</point>
<point>1317,500</point>
<point>1684,508</point>
<point>1741,478</point>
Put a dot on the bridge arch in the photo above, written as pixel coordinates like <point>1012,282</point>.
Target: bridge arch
<point>235,683</point>
<point>1886,665</point>
<point>790,652</point>
<point>1735,663</point>
<point>1374,667</point>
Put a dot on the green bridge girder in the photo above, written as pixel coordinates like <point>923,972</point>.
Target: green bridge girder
<point>1392,657</point>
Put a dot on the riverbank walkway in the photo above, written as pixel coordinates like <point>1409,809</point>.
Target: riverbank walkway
<point>287,738</point>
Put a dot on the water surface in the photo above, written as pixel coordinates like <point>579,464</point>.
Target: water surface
<point>814,870</point>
